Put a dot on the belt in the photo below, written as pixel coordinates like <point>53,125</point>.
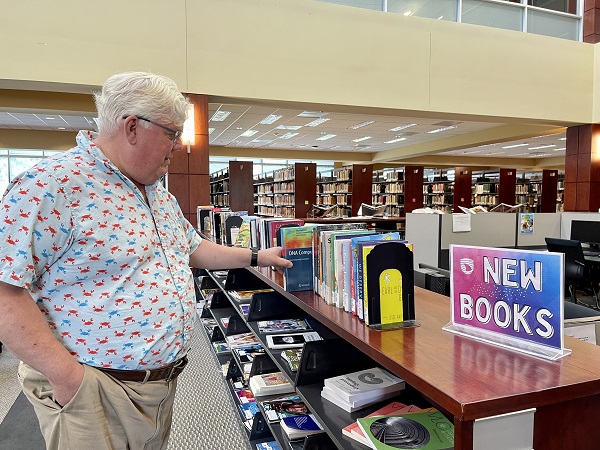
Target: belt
<point>166,373</point>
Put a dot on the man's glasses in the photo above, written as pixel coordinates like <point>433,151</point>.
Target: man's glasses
<point>174,135</point>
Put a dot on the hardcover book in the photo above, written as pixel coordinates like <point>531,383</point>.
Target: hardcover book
<point>425,430</point>
<point>271,445</point>
<point>298,427</point>
<point>281,325</point>
<point>330,395</point>
<point>297,247</point>
<point>270,384</point>
<point>291,340</point>
<point>364,384</point>
<point>278,408</point>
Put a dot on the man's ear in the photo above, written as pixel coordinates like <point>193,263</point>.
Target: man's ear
<point>131,126</point>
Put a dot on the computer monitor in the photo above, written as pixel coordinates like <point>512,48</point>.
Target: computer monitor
<point>586,231</point>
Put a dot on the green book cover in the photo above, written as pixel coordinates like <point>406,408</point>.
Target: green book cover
<point>418,430</point>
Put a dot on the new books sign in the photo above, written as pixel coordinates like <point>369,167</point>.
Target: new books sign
<point>507,297</point>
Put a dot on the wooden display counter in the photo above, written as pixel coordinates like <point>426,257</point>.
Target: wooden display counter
<point>470,380</point>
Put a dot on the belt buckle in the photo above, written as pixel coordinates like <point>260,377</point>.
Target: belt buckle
<point>177,365</point>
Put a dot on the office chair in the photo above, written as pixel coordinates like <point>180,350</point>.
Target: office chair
<point>576,276</point>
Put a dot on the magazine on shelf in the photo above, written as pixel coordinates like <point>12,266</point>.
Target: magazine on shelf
<point>425,430</point>
<point>246,295</point>
<point>270,445</point>
<point>242,340</point>
<point>248,353</point>
<point>281,325</point>
<point>291,340</point>
<point>292,357</point>
<point>280,407</point>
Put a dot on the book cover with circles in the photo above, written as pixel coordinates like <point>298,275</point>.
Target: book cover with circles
<point>428,430</point>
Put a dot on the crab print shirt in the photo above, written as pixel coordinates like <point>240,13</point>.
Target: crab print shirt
<point>109,272</point>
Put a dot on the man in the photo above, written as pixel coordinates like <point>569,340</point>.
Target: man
<point>96,291</point>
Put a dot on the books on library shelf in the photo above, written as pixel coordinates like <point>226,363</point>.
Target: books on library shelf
<point>246,295</point>
<point>370,210</point>
<point>298,427</point>
<point>270,384</point>
<point>270,226</point>
<point>359,389</point>
<point>248,353</point>
<point>296,243</point>
<point>248,409</point>
<point>425,430</point>
<point>271,445</point>
<point>291,340</point>
<point>503,207</point>
<point>220,347</point>
<point>279,325</point>
<point>353,430</point>
<point>292,357</point>
<point>280,407</point>
<point>242,340</point>
<point>474,210</point>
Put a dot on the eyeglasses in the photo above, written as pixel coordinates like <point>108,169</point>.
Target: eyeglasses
<point>174,135</point>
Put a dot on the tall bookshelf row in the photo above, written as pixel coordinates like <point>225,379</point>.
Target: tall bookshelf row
<point>287,192</point>
<point>291,191</point>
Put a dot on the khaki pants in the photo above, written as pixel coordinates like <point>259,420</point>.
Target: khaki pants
<point>104,414</point>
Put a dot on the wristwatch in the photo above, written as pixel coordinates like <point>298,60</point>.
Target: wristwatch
<point>254,258</point>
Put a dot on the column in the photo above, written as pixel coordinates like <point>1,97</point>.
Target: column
<point>189,172</point>
<point>582,168</point>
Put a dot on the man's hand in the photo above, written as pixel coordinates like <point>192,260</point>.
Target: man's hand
<point>66,386</point>
<point>272,257</point>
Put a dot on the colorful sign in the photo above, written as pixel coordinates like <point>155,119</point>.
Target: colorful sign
<point>510,293</point>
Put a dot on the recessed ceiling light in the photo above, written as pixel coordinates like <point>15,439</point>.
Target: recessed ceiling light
<point>562,139</point>
<point>61,128</point>
<point>49,118</point>
<point>362,124</point>
<point>289,135</point>
<point>403,127</point>
<point>289,127</point>
<point>248,133</point>
<point>439,130</point>
<point>271,118</point>
<point>220,116</point>
<point>316,122</point>
<point>312,114</point>
<point>361,139</point>
<point>407,13</point>
<point>558,149</point>
<point>515,145</point>
<point>394,141</point>
<point>542,146</point>
<point>327,136</point>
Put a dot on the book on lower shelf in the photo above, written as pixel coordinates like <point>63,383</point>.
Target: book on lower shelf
<point>280,407</point>
<point>292,357</point>
<point>270,384</point>
<point>276,341</point>
<point>242,340</point>
<point>362,388</point>
<point>425,430</point>
<point>298,427</point>
<point>281,325</point>
<point>353,430</point>
<point>270,445</point>
<point>246,295</point>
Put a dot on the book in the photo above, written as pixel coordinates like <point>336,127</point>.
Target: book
<point>246,295</point>
<point>274,225</point>
<point>503,207</point>
<point>242,340</point>
<point>353,430</point>
<point>248,353</point>
<point>278,408</point>
<point>370,210</point>
<point>297,247</point>
<point>474,210</point>
<point>291,340</point>
<point>270,384</point>
<point>233,222</point>
<point>245,307</point>
<point>364,384</point>
<point>298,427</point>
<point>281,325</point>
<point>248,409</point>
<point>220,346</point>
<point>425,430</point>
<point>356,405</point>
<point>203,218</point>
<point>292,357</point>
<point>271,445</point>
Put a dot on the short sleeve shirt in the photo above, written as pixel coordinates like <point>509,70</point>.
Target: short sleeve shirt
<point>109,272</point>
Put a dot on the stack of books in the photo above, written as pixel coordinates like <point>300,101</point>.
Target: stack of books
<point>360,389</point>
<point>298,427</point>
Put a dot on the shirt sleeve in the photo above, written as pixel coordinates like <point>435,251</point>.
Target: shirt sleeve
<point>36,227</point>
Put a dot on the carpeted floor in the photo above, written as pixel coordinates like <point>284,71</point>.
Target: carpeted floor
<point>204,416</point>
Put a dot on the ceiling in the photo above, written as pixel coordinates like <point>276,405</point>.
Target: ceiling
<point>255,126</point>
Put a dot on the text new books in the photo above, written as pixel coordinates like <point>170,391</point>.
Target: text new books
<point>270,384</point>
<point>425,430</point>
<point>358,387</point>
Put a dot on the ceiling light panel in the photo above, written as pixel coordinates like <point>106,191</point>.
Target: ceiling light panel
<point>362,124</point>
<point>326,137</point>
<point>316,122</point>
<point>402,127</point>
<point>220,116</point>
<point>393,141</point>
<point>364,138</point>
<point>440,130</point>
<point>271,118</point>
<point>248,133</point>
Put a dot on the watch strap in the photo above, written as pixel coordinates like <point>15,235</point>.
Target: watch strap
<point>254,258</point>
